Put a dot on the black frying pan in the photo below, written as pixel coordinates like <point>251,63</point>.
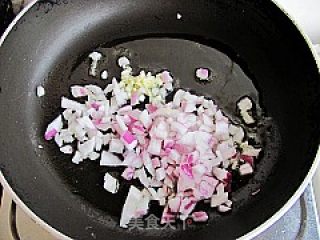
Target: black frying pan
<point>253,49</point>
<point>6,14</point>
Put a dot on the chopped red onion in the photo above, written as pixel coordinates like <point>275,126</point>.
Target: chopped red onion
<point>128,173</point>
<point>200,216</point>
<point>179,151</point>
<point>53,128</point>
<point>79,91</point>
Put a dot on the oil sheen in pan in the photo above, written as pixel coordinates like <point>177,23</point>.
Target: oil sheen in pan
<point>229,83</point>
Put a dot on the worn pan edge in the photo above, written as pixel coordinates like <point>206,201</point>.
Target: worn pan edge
<point>308,179</point>
<point>56,234</point>
<point>255,232</point>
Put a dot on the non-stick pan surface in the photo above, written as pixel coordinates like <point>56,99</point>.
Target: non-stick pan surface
<point>252,48</point>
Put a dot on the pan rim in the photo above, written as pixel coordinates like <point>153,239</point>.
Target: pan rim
<point>250,235</point>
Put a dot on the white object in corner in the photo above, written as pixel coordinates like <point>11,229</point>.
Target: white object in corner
<point>317,47</point>
<point>307,14</point>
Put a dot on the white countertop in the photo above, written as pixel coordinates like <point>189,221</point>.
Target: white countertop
<point>307,14</point>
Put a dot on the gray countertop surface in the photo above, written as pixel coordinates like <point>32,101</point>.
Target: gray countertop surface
<point>300,222</point>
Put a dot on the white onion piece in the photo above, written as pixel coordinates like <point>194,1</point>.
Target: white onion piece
<point>245,169</point>
<point>220,189</point>
<point>188,139</point>
<point>162,201</point>
<point>160,174</point>
<point>87,147</point>
<point>68,114</point>
<point>94,156</point>
<point>95,91</point>
<point>79,91</point>
<point>86,122</point>
<point>133,160</point>
<point>178,97</point>
<point>111,184</point>
<point>53,128</point>
<point>123,62</point>
<point>116,146</point>
<point>67,149</point>
<point>66,136</point>
<point>99,142</point>
<point>155,146</point>
<point>130,206</point>
<point>77,158</point>
<point>250,150</point>
<point>72,105</point>
<point>247,118</point>
<point>128,174</point>
<point>245,104</point>
<point>104,75</point>
<point>58,140</point>
<point>143,206</point>
<point>154,194</point>
<point>148,163</point>
<point>228,203</point>
<point>222,129</point>
<point>40,91</point>
<point>190,98</point>
<point>179,128</point>
<point>203,74</point>
<point>142,176</point>
<point>95,57</point>
<point>121,123</point>
<point>190,107</point>
<point>161,131</point>
<point>223,209</point>
<point>110,160</point>
<point>108,89</point>
<point>237,133</point>
<point>217,200</point>
<point>226,150</point>
<point>106,139</point>
<point>145,119</point>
